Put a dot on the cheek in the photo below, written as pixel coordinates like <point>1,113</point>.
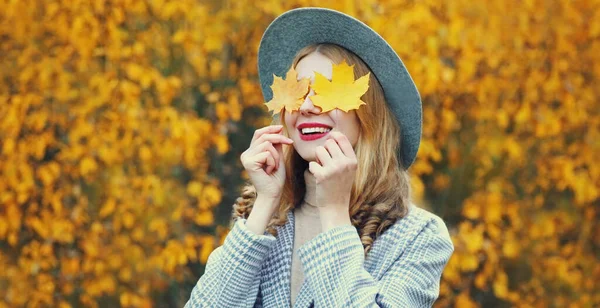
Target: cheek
<point>353,129</point>
<point>286,118</point>
<point>289,121</point>
<point>347,122</point>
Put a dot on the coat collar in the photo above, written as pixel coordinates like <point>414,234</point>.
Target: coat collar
<point>275,284</point>
<point>277,273</point>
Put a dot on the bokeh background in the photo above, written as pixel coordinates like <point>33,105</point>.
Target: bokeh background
<point>122,122</point>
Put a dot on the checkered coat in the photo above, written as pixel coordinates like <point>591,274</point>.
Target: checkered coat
<point>402,269</point>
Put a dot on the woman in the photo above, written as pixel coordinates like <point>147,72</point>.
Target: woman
<point>327,221</point>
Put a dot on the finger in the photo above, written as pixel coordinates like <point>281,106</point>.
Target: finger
<point>344,144</point>
<point>323,156</point>
<point>265,146</point>
<point>267,129</point>
<point>274,138</point>
<point>315,169</point>
<point>270,164</point>
<point>276,157</point>
<point>334,149</point>
<point>257,161</point>
<point>261,160</point>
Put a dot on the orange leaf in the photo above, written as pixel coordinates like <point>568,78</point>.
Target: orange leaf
<point>288,94</point>
<point>342,92</point>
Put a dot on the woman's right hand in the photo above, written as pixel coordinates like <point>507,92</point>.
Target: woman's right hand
<point>263,161</point>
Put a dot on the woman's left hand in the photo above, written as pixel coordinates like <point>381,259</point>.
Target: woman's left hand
<point>334,171</point>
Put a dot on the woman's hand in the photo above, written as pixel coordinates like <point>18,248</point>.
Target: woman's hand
<point>263,161</point>
<point>334,171</point>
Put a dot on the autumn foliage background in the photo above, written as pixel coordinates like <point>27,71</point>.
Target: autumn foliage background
<point>122,122</point>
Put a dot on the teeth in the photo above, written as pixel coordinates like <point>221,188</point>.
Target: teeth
<point>315,130</point>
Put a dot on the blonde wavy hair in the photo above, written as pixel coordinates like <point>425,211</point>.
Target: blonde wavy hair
<point>378,199</point>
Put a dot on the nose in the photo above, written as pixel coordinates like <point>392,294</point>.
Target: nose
<point>307,106</point>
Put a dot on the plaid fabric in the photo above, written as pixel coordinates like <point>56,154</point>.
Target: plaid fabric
<point>402,269</point>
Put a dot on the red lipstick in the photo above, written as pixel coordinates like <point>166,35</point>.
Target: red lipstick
<point>312,136</point>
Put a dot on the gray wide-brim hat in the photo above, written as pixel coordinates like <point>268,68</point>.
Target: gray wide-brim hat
<point>297,28</point>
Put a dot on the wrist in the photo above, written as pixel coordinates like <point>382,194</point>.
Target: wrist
<point>269,201</point>
<point>261,214</point>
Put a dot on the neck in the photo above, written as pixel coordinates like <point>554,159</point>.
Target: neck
<point>310,197</point>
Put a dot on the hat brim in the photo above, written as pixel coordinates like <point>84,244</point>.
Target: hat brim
<point>297,28</point>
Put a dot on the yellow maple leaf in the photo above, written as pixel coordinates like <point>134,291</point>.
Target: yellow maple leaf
<point>288,93</point>
<point>342,92</point>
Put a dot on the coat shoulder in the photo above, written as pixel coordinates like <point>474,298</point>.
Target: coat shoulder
<point>432,222</point>
<point>417,223</point>
<point>433,232</point>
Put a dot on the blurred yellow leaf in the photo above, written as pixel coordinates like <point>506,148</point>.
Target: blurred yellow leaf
<point>222,144</point>
<point>87,166</point>
<point>108,208</point>
<point>194,188</point>
<point>500,285</point>
<point>207,246</point>
<point>463,300</point>
<point>204,218</point>
<point>510,248</point>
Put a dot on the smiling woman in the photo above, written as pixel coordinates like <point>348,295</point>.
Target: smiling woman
<point>327,219</point>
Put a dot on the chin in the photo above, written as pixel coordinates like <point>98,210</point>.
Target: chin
<point>307,157</point>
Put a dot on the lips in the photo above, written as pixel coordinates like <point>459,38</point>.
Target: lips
<point>312,124</point>
<point>312,136</point>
